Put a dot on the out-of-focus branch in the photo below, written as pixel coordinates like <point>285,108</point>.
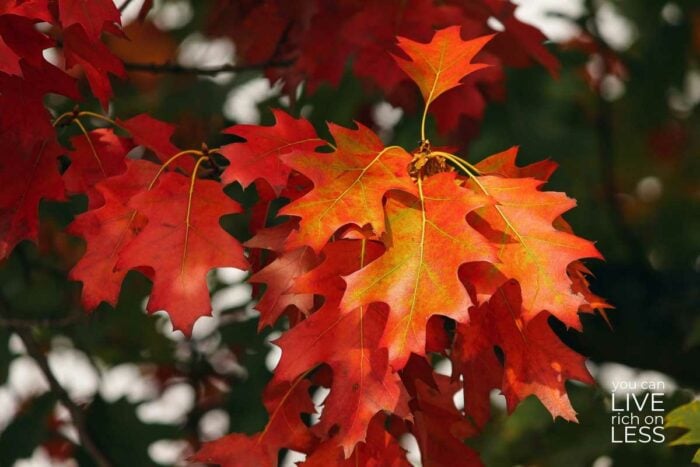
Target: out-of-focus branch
<point>124,6</point>
<point>606,153</point>
<point>76,413</point>
<point>27,323</point>
<point>175,68</point>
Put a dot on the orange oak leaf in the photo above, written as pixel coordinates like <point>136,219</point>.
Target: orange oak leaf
<point>259,155</point>
<point>349,185</point>
<point>285,402</point>
<point>95,157</point>
<point>440,65</point>
<point>536,362</point>
<point>181,242</point>
<point>503,164</point>
<point>107,230</point>
<point>530,249</point>
<point>363,383</point>
<point>428,239</point>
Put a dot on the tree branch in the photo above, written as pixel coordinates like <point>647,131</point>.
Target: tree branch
<point>605,132</point>
<point>76,413</point>
<point>47,322</point>
<point>175,68</point>
<point>124,6</point>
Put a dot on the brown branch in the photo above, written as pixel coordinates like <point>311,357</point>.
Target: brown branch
<point>175,68</point>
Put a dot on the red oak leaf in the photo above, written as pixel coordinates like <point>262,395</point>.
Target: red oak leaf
<point>536,361</point>
<point>520,42</point>
<point>181,243</point>
<point>440,65</point>
<point>373,36</point>
<point>156,136</point>
<point>285,402</point>
<point>36,9</point>
<point>95,59</point>
<point>279,277</point>
<point>362,384</point>
<point>415,276</point>
<point>99,155</point>
<point>259,156</point>
<point>474,358</point>
<point>20,40</point>
<point>380,449</point>
<point>33,123</point>
<point>272,238</point>
<point>440,428</point>
<point>107,230</point>
<point>9,60</point>
<point>349,185</point>
<point>26,179</point>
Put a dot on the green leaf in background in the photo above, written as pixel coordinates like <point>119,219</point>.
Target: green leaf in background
<point>686,416</point>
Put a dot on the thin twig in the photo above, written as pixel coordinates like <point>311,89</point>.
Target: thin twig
<point>175,68</point>
<point>124,6</point>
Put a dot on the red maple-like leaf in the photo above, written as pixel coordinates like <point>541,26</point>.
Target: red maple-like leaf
<point>259,157</point>
<point>181,243</point>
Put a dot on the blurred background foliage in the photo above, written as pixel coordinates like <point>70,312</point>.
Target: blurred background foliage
<point>623,122</point>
